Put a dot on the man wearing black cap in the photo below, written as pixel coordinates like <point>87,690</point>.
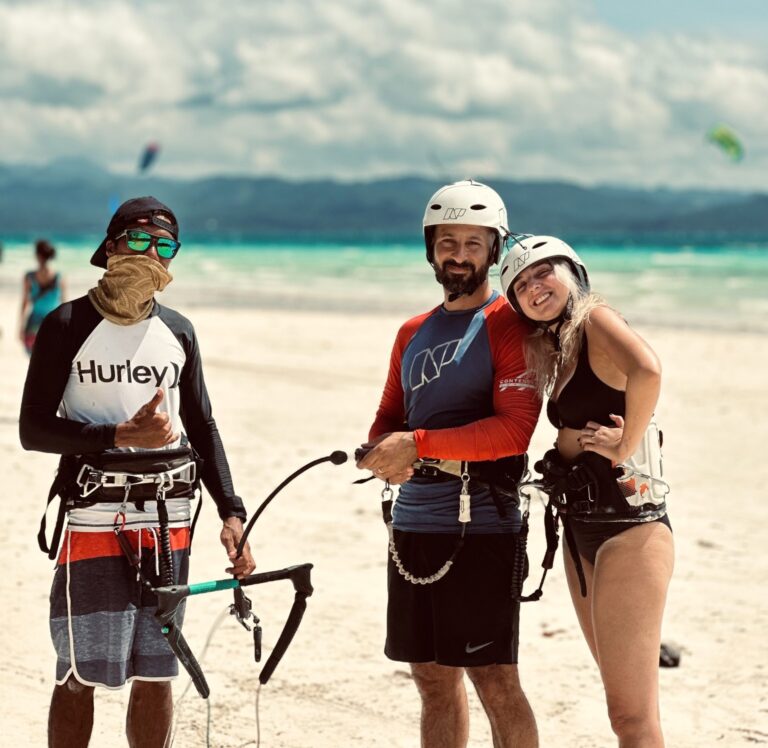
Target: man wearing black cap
<point>114,373</point>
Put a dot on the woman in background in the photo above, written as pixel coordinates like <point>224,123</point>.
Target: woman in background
<point>43,291</point>
<point>604,475</point>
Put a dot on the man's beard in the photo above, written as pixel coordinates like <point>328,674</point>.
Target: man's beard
<point>458,285</point>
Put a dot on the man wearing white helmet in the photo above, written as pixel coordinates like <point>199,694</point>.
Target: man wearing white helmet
<point>456,390</point>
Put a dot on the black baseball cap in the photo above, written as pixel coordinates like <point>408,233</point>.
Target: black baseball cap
<point>128,214</point>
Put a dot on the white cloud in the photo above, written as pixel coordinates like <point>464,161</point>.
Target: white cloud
<point>356,90</point>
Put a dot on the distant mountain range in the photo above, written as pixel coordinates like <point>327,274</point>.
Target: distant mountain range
<point>73,196</point>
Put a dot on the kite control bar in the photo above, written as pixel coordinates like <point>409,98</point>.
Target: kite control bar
<point>169,599</point>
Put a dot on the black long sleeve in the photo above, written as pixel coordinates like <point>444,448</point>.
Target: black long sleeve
<point>197,417</point>
<point>40,428</point>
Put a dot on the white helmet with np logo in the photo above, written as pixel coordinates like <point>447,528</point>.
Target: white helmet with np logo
<point>466,202</point>
<point>529,250</point>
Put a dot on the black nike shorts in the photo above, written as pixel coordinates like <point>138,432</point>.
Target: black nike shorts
<point>468,617</point>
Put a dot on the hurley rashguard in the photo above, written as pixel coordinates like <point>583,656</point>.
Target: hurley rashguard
<point>457,380</point>
<point>87,374</point>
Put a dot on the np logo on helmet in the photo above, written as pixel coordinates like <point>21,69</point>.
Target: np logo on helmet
<point>453,214</point>
<point>521,260</point>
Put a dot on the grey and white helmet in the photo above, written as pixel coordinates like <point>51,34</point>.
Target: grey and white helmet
<point>466,202</point>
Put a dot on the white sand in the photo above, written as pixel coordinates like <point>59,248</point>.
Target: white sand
<point>288,387</point>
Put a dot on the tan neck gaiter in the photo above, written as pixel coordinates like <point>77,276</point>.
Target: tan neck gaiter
<point>125,294</point>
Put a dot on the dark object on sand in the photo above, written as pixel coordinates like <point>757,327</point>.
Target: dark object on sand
<point>669,656</point>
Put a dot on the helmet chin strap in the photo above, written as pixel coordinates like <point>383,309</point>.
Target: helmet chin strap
<point>453,295</point>
<point>560,320</point>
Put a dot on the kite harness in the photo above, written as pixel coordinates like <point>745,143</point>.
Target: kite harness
<point>591,488</point>
<point>507,480</point>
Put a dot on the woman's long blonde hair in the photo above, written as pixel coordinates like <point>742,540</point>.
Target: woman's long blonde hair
<point>543,361</point>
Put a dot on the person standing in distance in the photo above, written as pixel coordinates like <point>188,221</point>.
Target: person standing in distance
<point>42,291</point>
<point>456,391</point>
<point>111,373</point>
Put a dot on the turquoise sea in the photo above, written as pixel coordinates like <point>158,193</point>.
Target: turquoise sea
<point>675,284</point>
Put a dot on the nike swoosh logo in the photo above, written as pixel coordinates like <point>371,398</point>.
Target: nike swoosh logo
<point>469,649</point>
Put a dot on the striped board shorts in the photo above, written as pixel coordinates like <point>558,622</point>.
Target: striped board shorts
<point>102,618</point>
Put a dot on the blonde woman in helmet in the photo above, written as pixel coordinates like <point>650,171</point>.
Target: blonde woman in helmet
<point>603,381</point>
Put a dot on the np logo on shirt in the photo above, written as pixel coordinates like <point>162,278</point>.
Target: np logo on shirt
<point>428,364</point>
<point>90,372</point>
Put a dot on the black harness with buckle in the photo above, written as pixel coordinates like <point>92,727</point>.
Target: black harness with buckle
<point>121,478</point>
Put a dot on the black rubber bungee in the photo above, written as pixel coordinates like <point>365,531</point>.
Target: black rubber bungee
<point>166,554</point>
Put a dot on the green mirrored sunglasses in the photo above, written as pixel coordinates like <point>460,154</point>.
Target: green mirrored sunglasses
<point>141,241</point>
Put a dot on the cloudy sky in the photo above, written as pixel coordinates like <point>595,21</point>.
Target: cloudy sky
<point>593,91</point>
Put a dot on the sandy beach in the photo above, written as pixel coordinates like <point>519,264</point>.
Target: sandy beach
<point>291,386</point>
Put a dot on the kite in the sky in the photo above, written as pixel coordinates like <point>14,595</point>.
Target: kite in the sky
<point>727,141</point>
<point>148,156</point>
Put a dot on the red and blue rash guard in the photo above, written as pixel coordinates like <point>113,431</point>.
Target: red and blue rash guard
<point>457,380</point>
